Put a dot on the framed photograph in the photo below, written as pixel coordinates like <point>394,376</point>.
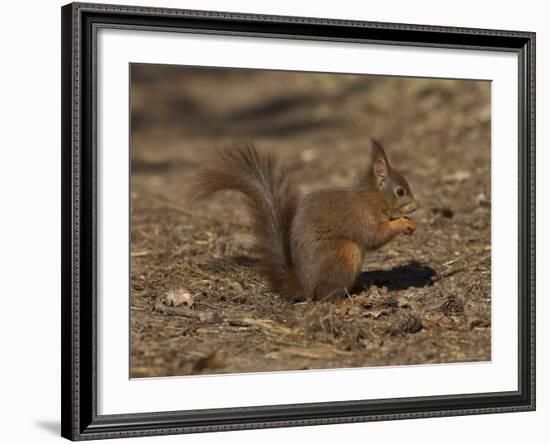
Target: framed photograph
<point>279,221</point>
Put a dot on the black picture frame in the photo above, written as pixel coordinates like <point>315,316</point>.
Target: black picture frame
<point>78,332</point>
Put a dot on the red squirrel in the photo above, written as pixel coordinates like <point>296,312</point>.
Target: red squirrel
<point>312,248</point>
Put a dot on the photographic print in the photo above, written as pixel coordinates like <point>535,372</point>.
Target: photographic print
<point>274,221</point>
<point>285,221</point>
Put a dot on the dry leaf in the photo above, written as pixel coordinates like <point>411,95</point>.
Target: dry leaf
<point>178,297</point>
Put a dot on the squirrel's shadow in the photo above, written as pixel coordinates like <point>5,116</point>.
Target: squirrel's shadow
<point>411,274</point>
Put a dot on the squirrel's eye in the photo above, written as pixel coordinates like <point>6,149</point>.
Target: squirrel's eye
<point>400,191</point>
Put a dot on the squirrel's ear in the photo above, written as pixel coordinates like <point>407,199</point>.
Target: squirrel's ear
<point>379,162</point>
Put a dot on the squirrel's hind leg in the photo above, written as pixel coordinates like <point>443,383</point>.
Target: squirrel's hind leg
<point>338,270</point>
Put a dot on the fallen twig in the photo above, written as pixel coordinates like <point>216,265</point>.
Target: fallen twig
<point>204,316</point>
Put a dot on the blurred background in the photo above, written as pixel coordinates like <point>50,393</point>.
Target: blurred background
<point>197,306</point>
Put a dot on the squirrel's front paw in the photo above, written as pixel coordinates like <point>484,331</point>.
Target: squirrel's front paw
<point>407,226</point>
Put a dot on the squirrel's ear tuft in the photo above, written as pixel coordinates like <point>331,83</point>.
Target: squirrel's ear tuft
<point>380,164</point>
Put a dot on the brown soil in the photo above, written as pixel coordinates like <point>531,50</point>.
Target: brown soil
<point>197,304</point>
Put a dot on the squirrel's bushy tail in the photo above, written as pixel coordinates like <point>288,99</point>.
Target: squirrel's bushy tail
<point>271,202</point>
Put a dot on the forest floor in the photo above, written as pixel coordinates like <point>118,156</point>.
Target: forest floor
<point>197,304</point>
